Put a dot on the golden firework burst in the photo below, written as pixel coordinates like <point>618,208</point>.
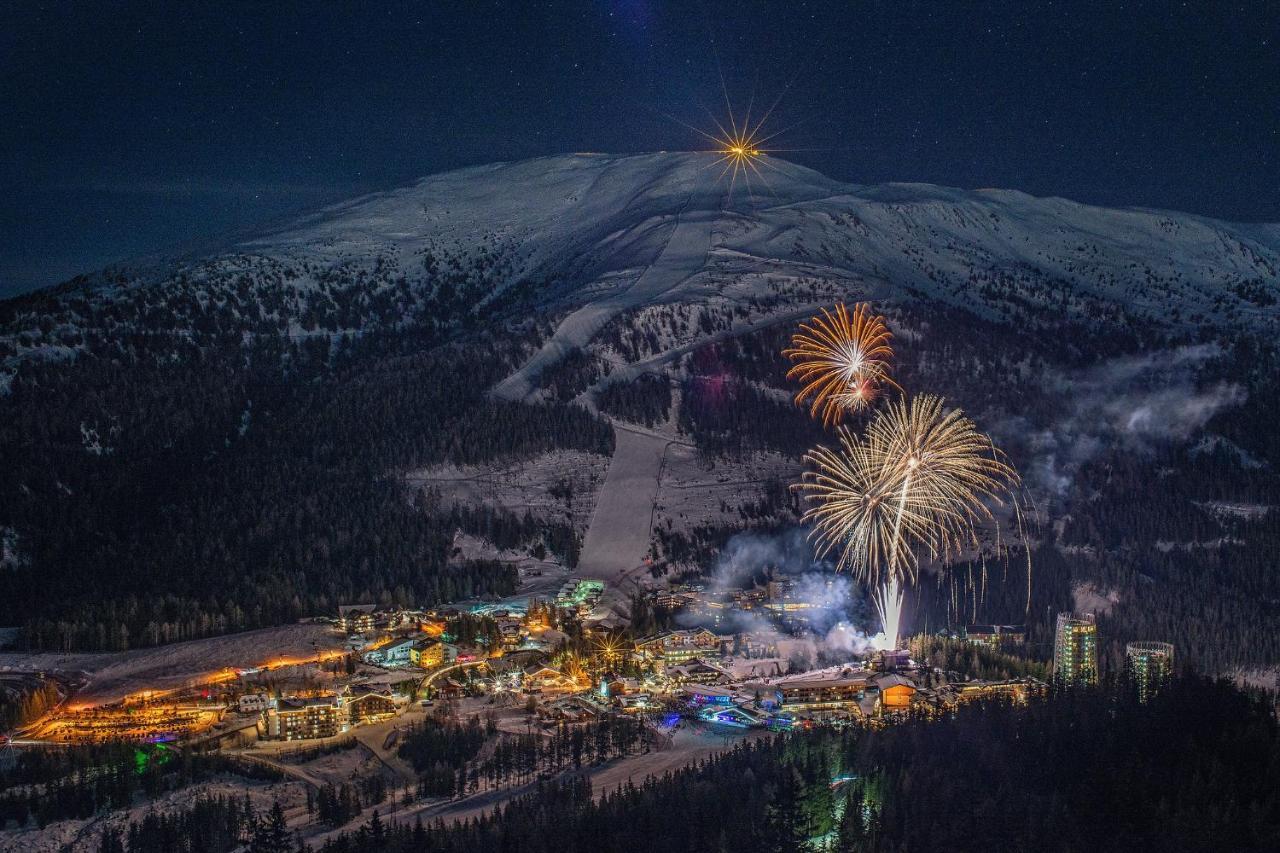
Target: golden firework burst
<point>919,482</point>
<point>949,468</point>
<point>856,503</point>
<point>842,359</point>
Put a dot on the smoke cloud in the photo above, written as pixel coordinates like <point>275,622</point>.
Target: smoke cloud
<point>1134,402</point>
<point>835,606</point>
<point>747,555</point>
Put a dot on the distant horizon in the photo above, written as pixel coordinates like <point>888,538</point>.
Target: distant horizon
<point>132,129</point>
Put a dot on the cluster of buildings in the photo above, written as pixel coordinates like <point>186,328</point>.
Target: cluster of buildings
<point>677,647</point>
<point>580,596</point>
<point>720,678</point>
<point>421,652</point>
<point>418,642</point>
<point>997,637</point>
<point>369,618</point>
<point>693,664</point>
<point>886,686</point>
<point>428,639</point>
<point>693,671</point>
<point>783,599</point>
<point>390,639</point>
<point>306,718</point>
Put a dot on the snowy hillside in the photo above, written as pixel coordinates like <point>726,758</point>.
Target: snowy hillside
<point>499,375</point>
<point>590,238</point>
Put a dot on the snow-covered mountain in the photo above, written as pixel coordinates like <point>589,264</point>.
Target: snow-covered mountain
<point>221,436</point>
<point>591,237</point>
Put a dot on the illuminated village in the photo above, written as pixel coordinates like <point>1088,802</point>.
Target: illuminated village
<point>674,667</point>
<point>558,662</point>
<point>619,427</point>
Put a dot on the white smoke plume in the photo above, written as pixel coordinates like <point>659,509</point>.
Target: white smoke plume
<point>1135,402</point>
<point>747,554</point>
<point>835,605</point>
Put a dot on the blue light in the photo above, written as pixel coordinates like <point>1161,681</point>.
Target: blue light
<point>721,718</point>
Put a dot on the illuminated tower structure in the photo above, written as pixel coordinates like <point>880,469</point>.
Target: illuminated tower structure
<point>1075,649</point>
<point>1150,665</point>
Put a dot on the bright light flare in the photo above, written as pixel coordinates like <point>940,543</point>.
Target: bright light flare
<point>741,155</point>
<point>740,143</point>
<point>609,648</point>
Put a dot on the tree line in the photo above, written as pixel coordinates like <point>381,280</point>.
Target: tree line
<point>444,752</point>
<point>77,782</point>
<point>1076,772</point>
<point>224,490</point>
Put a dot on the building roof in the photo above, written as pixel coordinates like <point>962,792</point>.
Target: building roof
<point>542,669</point>
<point>706,690</point>
<point>697,665</point>
<point>299,703</point>
<point>386,695</point>
<point>833,677</point>
<point>678,637</point>
<point>995,629</point>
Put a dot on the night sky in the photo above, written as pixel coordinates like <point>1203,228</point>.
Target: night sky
<point>131,129</point>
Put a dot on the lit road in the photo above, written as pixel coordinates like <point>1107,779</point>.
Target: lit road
<point>426,682</point>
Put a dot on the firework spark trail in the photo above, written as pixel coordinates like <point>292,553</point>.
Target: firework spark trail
<point>954,469</point>
<point>890,602</point>
<point>919,481</point>
<point>841,359</point>
<point>889,607</point>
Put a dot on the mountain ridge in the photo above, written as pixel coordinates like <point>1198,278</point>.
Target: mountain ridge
<point>593,232</point>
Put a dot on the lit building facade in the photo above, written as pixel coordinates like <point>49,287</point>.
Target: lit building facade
<point>996,636</point>
<point>304,719</point>
<point>786,603</point>
<point>677,647</point>
<point>356,618</point>
<point>896,692</point>
<point>1075,649</point>
<point>1017,689</point>
<point>431,652</point>
<point>1150,666</point>
<point>371,708</point>
<point>839,693</point>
